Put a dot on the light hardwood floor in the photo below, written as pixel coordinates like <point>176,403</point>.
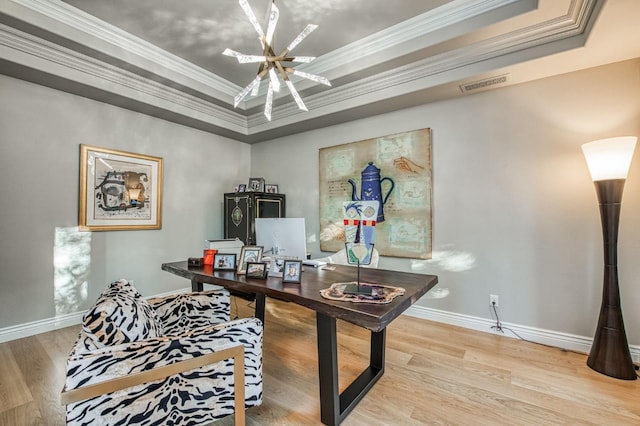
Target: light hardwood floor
<point>435,374</point>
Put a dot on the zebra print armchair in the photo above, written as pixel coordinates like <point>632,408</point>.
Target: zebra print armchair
<point>172,361</point>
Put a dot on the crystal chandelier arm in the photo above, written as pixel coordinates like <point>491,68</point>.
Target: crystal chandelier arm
<point>250,59</point>
<point>296,96</point>
<point>262,72</point>
<point>317,78</point>
<point>244,4</point>
<point>255,90</point>
<point>274,79</point>
<point>269,102</point>
<point>305,59</point>
<point>273,21</point>
<point>307,30</point>
<point>230,52</point>
<point>244,59</point>
<point>240,96</point>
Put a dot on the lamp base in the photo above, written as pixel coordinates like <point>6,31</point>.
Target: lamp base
<point>610,354</point>
<point>360,290</point>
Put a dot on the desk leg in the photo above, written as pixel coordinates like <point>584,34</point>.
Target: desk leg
<point>328,369</point>
<point>334,407</point>
<point>260,301</point>
<point>196,285</point>
<point>378,344</point>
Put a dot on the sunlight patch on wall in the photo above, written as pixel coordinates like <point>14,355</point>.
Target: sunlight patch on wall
<point>71,264</point>
<point>446,260</point>
<point>437,293</point>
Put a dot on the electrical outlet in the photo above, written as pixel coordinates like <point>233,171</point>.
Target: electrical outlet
<point>494,299</point>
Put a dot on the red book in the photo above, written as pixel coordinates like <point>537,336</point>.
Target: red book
<point>208,256</point>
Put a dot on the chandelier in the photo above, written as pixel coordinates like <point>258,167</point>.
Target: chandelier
<point>271,64</point>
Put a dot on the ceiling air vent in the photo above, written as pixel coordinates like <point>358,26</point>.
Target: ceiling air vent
<point>484,84</point>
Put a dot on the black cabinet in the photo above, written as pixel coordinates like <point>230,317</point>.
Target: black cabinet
<point>242,208</point>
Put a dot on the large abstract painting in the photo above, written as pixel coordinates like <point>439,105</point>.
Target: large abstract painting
<point>394,170</point>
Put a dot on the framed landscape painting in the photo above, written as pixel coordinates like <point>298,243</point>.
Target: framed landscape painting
<point>119,190</point>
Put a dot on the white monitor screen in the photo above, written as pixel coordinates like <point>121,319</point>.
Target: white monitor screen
<point>282,237</point>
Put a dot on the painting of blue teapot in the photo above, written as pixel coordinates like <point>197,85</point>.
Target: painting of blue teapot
<point>371,188</point>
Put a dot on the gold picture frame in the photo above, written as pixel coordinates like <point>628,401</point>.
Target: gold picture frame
<point>248,254</point>
<point>119,190</point>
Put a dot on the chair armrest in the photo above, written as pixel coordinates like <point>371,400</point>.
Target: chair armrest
<point>182,312</point>
<point>125,359</point>
<point>234,352</point>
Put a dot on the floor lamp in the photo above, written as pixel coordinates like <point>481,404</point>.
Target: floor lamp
<point>609,161</point>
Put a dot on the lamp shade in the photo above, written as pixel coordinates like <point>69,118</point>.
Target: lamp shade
<point>609,158</point>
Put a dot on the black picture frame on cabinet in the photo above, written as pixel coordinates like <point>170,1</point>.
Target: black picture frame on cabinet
<point>256,185</point>
<point>271,188</point>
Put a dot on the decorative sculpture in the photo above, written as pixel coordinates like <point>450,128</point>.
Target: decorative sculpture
<point>359,230</point>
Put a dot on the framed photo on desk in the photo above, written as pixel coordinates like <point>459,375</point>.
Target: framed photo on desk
<point>248,254</point>
<point>224,261</point>
<point>257,270</point>
<point>292,271</point>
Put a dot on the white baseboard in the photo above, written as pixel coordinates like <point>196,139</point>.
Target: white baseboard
<point>49,324</point>
<point>41,326</point>
<point>566,341</point>
<point>548,337</point>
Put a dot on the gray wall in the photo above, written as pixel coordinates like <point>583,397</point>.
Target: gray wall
<point>515,211</point>
<point>40,133</point>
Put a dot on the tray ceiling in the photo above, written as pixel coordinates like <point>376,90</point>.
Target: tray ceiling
<point>163,57</point>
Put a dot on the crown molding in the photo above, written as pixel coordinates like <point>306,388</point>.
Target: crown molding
<point>31,51</point>
<point>557,34</point>
<point>417,33</point>
<point>68,17</point>
<point>189,101</point>
<point>421,30</point>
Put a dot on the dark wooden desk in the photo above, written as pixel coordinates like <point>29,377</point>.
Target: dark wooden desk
<point>334,407</point>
